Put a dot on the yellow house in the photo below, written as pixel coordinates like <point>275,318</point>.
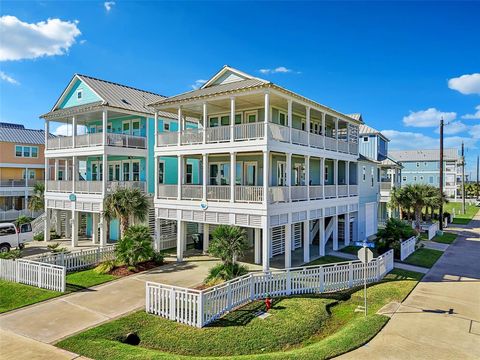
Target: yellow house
<point>22,164</point>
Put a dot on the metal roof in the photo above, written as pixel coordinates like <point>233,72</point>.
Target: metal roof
<point>367,159</point>
<point>11,126</point>
<point>21,135</point>
<point>364,129</point>
<point>356,116</point>
<point>390,162</point>
<point>424,155</point>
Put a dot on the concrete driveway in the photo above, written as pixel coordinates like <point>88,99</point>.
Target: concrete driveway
<point>441,317</point>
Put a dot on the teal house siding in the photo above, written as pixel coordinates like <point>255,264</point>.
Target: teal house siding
<point>70,99</point>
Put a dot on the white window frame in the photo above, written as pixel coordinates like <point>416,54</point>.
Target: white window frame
<point>245,165</point>
<point>23,150</point>
<point>248,113</point>
<point>187,165</point>
<point>279,170</point>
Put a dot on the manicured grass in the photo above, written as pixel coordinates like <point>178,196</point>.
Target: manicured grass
<point>14,295</point>
<point>424,257</point>
<point>306,327</point>
<point>470,211</point>
<point>446,238</point>
<point>327,259</point>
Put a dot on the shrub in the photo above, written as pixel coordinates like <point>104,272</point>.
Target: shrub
<point>105,267</point>
<point>55,248</point>
<point>38,237</point>
<point>135,246</point>
<point>225,272</point>
<point>158,258</point>
<point>12,254</point>
<point>53,236</point>
<point>22,219</point>
<point>392,235</point>
<point>228,243</point>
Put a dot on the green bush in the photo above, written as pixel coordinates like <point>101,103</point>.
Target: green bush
<point>22,219</point>
<point>135,246</point>
<point>38,237</point>
<point>105,267</point>
<point>225,272</point>
<point>53,236</point>
<point>12,254</point>
<point>55,248</point>
<point>158,258</point>
<point>392,235</point>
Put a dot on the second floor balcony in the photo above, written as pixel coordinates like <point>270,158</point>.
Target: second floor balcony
<point>96,139</point>
<point>91,187</point>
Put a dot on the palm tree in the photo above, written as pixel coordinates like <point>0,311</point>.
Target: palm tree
<point>228,243</point>
<point>400,200</point>
<point>420,196</point>
<point>37,201</point>
<point>123,204</point>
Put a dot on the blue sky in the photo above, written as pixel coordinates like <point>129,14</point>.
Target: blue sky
<point>402,65</point>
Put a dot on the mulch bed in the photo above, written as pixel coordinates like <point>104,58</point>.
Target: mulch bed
<point>124,271</point>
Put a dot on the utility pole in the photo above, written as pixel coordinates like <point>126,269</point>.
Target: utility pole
<point>440,210</point>
<point>463,178</point>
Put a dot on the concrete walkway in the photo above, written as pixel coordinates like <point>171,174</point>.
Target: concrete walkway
<point>435,245</point>
<point>441,317</point>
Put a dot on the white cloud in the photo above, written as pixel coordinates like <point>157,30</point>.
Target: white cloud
<point>198,83</point>
<point>8,78</point>
<point>279,69</point>
<point>466,84</point>
<point>22,40</point>
<point>475,131</point>
<point>473,116</point>
<point>108,5</point>
<point>405,140</point>
<point>452,128</point>
<point>66,130</point>
<point>427,118</point>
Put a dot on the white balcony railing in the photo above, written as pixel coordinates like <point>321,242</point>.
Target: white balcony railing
<point>330,143</point>
<point>192,192</point>
<point>278,194</point>
<point>342,146</point>
<point>19,183</point>
<point>250,131</point>
<point>342,190</point>
<point>167,139</point>
<point>218,192</point>
<point>387,186</point>
<point>60,142</point>
<point>278,132</point>
<point>299,137</point>
<point>12,214</point>
<point>114,185</point>
<point>58,186</point>
<point>316,192</point>
<point>353,190</point>
<point>353,147</point>
<point>218,134</point>
<point>330,191</point>
<point>191,136</point>
<point>167,191</point>
<point>94,139</point>
<point>88,187</point>
<point>299,193</point>
<point>124,140</point>
<point>250,194</point>
<point>317,141</point>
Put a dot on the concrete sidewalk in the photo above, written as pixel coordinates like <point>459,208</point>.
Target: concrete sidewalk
<point>441,317</point>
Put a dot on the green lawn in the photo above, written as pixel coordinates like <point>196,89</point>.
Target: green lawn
<point>446,238</point>
<point>327,259</point>
<point>470,211</point>
<point>14,295</point>
<point>424,257</point>
<point>306,327</point>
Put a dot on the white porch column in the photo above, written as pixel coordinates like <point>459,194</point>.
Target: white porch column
<point>306,241</point>
<point>74,225</point>
<point>206,237</point>
<point>47,132</point>
<point>74,131</point>
<point>335,232</point>
<point>180,239</point>
<point>266,244</point>
<point>233,168</point>
<point>323,128</point>
<point>179,176</point>
<point>257,246</point>
<point>335,176</point>
<point>68,225</point>
<point>95,217</point>
<point>347,229</point>
<point>266,176</point>
<point>74,172</point>
<point>289,175</point>
<point>56,169</point>
<point>58,224</point>
<point>307,175</point>
<point>103,225</point>
<point>289,118</point>
<point>104,128</point>
<point>180,125</point>
<point>204,176</point>
<point>347,176</point>
<point>267,112</point>
<point>336,132</point>
<point>104,173</point>
<point>288,244</point>
<point>46,225</point>
<point>322,175</point>
<point>155,175</point>
<point>307,125</point>
<point>232,119</point>
<point>156,131</point>
<point>205,122</point>
<point>321,236</point>
<point>156,245</point>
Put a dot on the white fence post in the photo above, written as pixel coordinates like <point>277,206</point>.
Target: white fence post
<point>172,305</point>
<point>200,311</point>
<point>252,287</point>
<point>289,282</point>
<point>350,274</point>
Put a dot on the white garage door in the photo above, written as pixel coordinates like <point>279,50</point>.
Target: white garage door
<point>370,217</point>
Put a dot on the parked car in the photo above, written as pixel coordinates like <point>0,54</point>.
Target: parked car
<point>13,237</point>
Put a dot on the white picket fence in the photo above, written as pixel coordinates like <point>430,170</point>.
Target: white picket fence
<point>46,276</point>
<point>432,230</point>
<point>407,247</point>
<point>201,307</point>
<point>77,260</point>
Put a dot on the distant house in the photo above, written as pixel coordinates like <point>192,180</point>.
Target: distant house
<point>21,166</point>
<point>423,167</point>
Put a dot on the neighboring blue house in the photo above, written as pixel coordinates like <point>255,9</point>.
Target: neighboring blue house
<point>423,167</point>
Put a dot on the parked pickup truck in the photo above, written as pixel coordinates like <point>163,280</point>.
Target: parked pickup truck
<point>13,237</point>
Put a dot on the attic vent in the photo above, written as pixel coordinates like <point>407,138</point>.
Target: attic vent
<point>125,102</point>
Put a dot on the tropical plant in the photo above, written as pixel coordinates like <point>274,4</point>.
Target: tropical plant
<point>398,199</point>
<point>228,243</point>
<point>392,234</point>
<point>22,219</point>
<point>55,248</point>
<point>135,246</point>
<point>37,200</point>
<point>222,272</point>
<point>11,255</point>
<point>123,204</point>
<point>105,267</point>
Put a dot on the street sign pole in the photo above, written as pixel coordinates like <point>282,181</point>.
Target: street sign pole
<point>365,279</point>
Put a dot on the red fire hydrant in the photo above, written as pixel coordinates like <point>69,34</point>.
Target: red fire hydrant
<point>268,303</point>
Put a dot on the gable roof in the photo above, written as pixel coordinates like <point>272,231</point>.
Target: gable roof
<point>228,69</point>
<point>18,134</point>
<point>356,116</point>
<point>364,129</point>
<point>390,162</point>
<point>363,158</point>
<point>424,155</point>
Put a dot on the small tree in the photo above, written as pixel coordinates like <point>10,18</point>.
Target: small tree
<point>37,201</point>
<point>228,243</point>
<point>135,246</point>
<point>391,236</point>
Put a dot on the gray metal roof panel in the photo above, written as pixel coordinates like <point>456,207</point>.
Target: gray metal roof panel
<point>424,155</point>
<point>23,136</point>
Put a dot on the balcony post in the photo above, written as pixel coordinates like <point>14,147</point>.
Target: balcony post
<point>233,168</point>
<point>180,126</point>
<point>206,237</point>
<point>336,132</point>
<point>322,175</point>
<point>307,175</point>
<point>103,231</point>
<point>74,225</point>
<point>257,246</point>
<point>179,176</point>
<point>335,175</point>
<point>347,229</point>
<point>289,118</point>
<point>205,122</point>
<point>232,119</point>
<point>56,169</point>
<point>47,132</point>
<point>347,176</point>
<point>74,131</point>
<point>267,112</point>
<point>104,174</point>
<point>204,176</point>
<point>46,224</point>
<point>74,172</point>
<point>289,175</point>
<point>180,239</point>
<point>288,244</point>
<point>307,125</point>
<point>306,241</point>
<point>266,176</point>
<point>266,244</point>
<point>94,228</point>
<point>104,128</point>
<point>335,232</point>
<point>155,174</point>
<point>321,236</point>
<point>156,131</point>
<point>323,129</point>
